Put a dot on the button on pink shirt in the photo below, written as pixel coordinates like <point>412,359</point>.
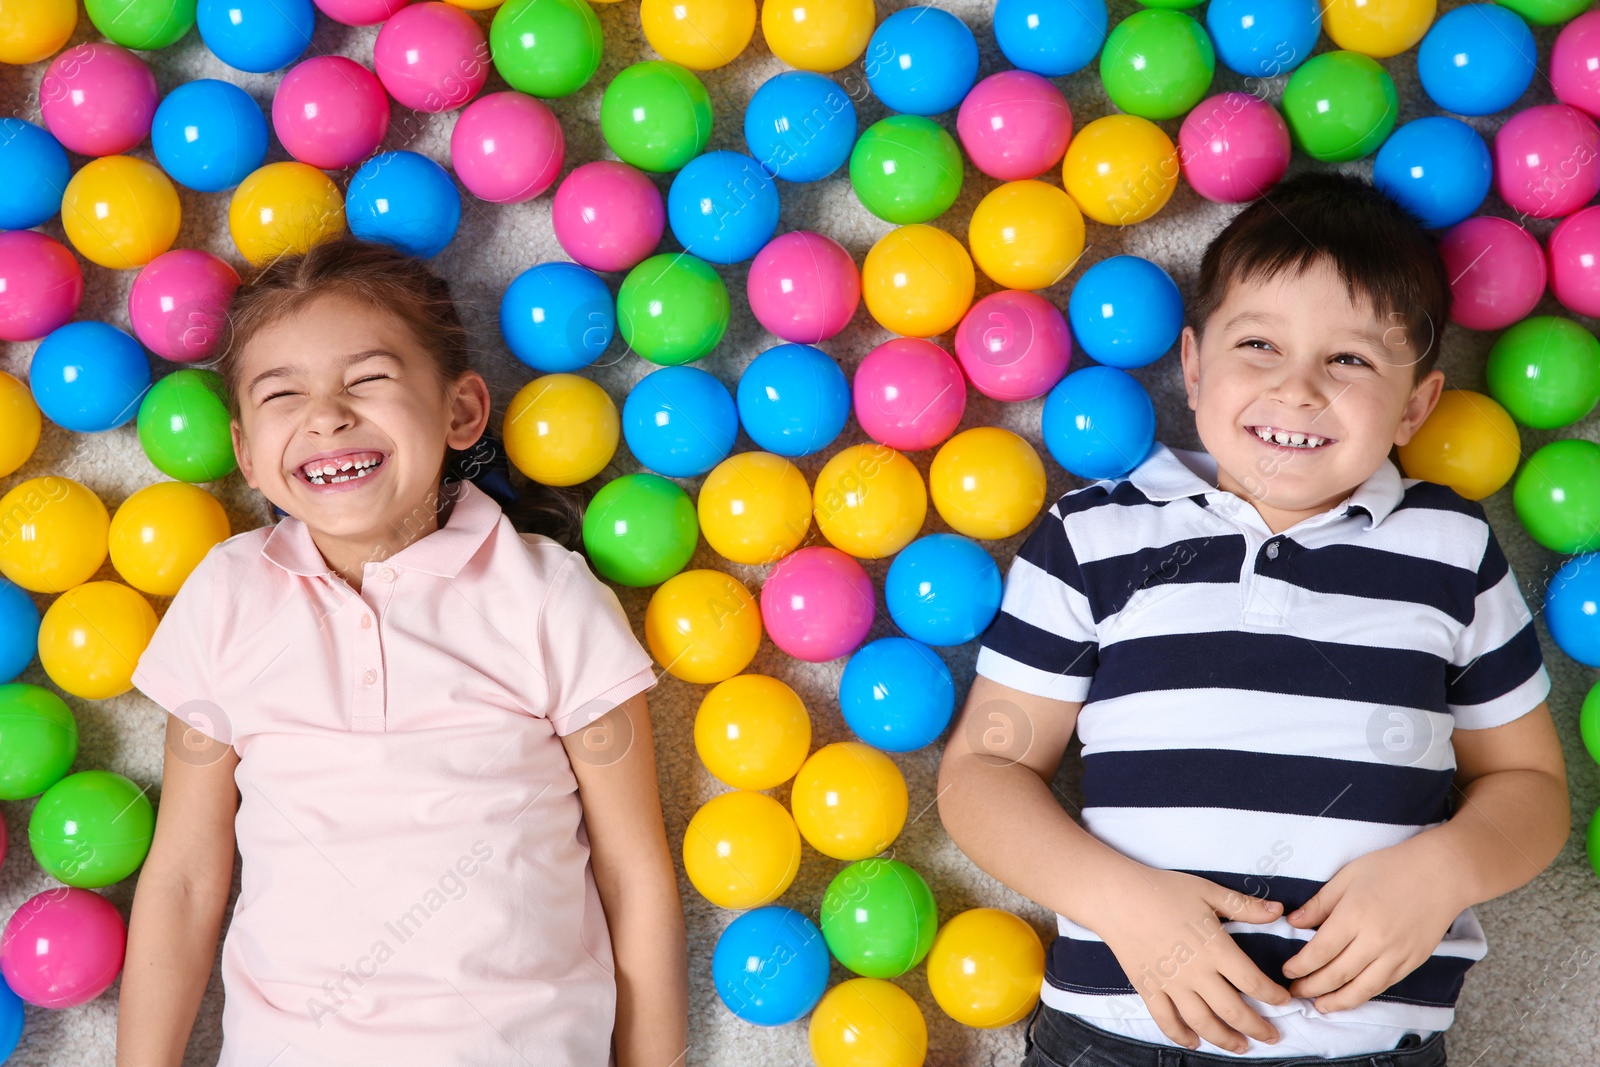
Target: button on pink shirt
<point>416,884</point>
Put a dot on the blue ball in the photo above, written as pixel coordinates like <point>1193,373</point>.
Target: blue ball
<point>943,589</point>
<point>1263,38</point>
<point>256,36</point>
<point>406,200</point>
<point>89,376</point>
<point>11,1018</point>
<point>1571,605</point>
<point>770,966</point>
<point>1438,168</point>
<point>1050,37</point>
<point>39,174</point>
<point>679,421</point>
<point>1099,422</point>
<point>723,207</point>
<point>209,135</point>
<point>19,641</point>
<point>922,61</point>
<point>558,317</point>
<point>1125,312</point>
<point>793,400</point>
<point>800,126</point>
<point>1477,59</point>
<point>896,694</point>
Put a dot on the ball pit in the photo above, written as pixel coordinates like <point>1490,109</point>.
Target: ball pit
<point>330,112</point>
<point>793,400</point>
<point>607,215</point>
<point>508,147</point>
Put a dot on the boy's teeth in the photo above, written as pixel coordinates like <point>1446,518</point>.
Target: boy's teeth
<point>1283,437</point>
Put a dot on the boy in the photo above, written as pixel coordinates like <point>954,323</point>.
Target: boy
<point>1309,691</point>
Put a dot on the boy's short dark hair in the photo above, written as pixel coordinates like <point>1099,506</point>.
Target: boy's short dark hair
<point>1378,248</point>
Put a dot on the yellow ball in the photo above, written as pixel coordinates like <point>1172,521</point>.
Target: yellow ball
<point>1120,169</point>
<point>91,639</point>
<point>868,1022</point>
<point>917,281</point>
<point>754,508</point>
<point>985,968</point>
<point>162,532</point>
<point>752,732</point>
<point>284,208</point>
<point>54,534</point>
<point>1377,28</point>
<point>121,212</point>
<point>819,35</point>
<point>987,483</point>
<point>1026,235</point>
<point>741,850</point>
<point>870,501</point>
<point>561,429</point>
<point>20,424</point>
<point>698,34</point>
<point>849,801</point>
<point>474,5</point>
<point>1469,442</point>
<point>702,626</point>
<point>31,30</point>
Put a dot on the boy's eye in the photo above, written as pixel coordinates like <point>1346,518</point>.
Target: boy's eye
<point>1352,355</point>
<point>1252,342</point>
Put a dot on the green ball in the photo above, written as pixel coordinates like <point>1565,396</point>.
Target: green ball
<point>1340,106</point>
<point>906,169</point>
<point>1589,722</point>
<point>546,48</point>
<point>91,829</point>
<point>656,115</point>
<point>1593,841</point>
<point>1547,12</point>
<point>672,308</point>
<point>1557,496</point>
<point>1545,371</point>
<point>1177,5</point>
<point>640,529</point>
<point>1157,64</point>
<point>142,24</point>
<point>183,426</point>
<point>879,918</point>
<point>38,740</point>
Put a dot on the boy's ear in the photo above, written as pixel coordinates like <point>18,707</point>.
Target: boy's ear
<point>1424,397</point>
<point>1189,356</point>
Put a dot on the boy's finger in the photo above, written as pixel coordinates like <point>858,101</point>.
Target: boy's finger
<point>1231,904</point>
<point>1166,1016</point>
<point>1372,980</point>
<point>1198,1014</point>
<point>1324,945</point>
<point>1334,974</point>
<point>1225,1001</point>
<point>1243,974</point>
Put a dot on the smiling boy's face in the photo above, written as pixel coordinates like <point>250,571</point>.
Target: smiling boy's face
<point>1294,354</point>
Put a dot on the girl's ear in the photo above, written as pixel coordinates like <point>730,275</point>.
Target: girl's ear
<point>241,451</point>
<point>469,410</point>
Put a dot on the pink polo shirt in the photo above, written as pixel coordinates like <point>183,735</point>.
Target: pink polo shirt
<point>416,883</point>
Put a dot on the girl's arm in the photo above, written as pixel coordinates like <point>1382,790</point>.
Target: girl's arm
<point>614,760</point>
<point>178,901</point>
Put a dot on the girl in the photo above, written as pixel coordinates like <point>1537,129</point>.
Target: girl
<point>426,732</point>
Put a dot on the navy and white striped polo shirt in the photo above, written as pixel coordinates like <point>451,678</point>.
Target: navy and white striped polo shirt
<point>1259,709</point>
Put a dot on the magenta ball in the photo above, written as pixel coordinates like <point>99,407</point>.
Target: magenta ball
<point>608,216</point>
<point>1233,147</point>
<point>98,99</point>
<point>909,394</point>
<point>1014,345</point>
<point>179,304</point>
<point>507,148</point>
<point>1574,261</point>
<point>63,947</point>
<point>330,112</point>
<point>1014,125</point>
<point>1575,64</point>
<point>804,287</point>
<point>1497,272</point>
<point>1547,160</point>
<point>431,57</point>
<point>360,12</point>
<point>41,285</point>
<point>818,604</point>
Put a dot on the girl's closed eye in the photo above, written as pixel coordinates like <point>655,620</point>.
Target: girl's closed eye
<point>358,381</point>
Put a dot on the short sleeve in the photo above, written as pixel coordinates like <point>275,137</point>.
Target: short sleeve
<point>591,659</point>
<point>1496,672</point>
<point>1043,640</point>
<point>175,668</point>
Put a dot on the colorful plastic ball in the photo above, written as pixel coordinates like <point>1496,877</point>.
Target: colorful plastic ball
<point>917,281</point>
<point>1263,38</point>
<point>639,530</point>
<point>1468,442</point>
<point>1126,312</point>
<point>1120,169</point>
<point>1574,261</point>
<point>1050,37</point>
<point>121,212</point>
<point>943,589</point>
<point>41,285</point>
<point>330,112</point>
<point>1477,59</point>
<point>284,208</point>
<point>909,394</point>
<point>803,287</point>
<point>557,317</point>
<point>431,57</point>
<point>608,216</point>
<point>13,1015</point>
<point>35,30</point>
<point>906,169</point>
<point>91,638</point>
<point>985,968</point>
<point>770,966</point>
<point>1014,125</point>
<point>1571,602</point>
<point>20,424</point>
<point>869,501</point>
<point>680,421</point>
<point>360,12</point>
<point>1377,30</point>
<point>1340,106</point>
<point>754,508</point>
<point>849,800</point>
<point>256,36</point>
<point>1497,272</point>
<point>752,732</point>
<point>162,532</point>
<point>1557,496</point>
<point>698,34</point>
<point>1589,721</point>
<point>1547,160</point>
<point>921,61</point>
<point>703,627</point>
<point>89,376</point>
<point>98,99</point>
<point>896,694</point>
<point>179,304</point>
<point>28,150</point>
<point>818,604</point>
<point>987,483</point>
<point>19,637</point>
<point>507,148</point>
<point>741,850</point>
<point>1547,12</point>
<point>93,828</point>
<point>1157,64</point>
<point>561,429</point>
<point>1098,422</point>
<point>1233,147</point>
<point>723,207</point>
<point>800,126</point>
<point>1575,64</point>
<point>208,135</point>
<point>656,115</point>
<point>63,947</point>
<point>1026,235</point>
<point>793,400</point>
<point>548,48</point>
<point>143,24</point>
<point>1546,371</point>
<point>817,35</point>
<point>59,537</point>
<point>183,426</point>
<point>406,200</point>
<point>41,739</point>
<point>673,308</point>
<point>879,917</point>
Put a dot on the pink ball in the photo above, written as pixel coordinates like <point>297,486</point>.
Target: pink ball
<point>98,99</point>
<point>1233,147</point>
<point>818,604</point>
<point>330,112</point>
<point>1014,345</point>
<point>41,285</point>
<point>431,57</point>
<point>1547,160</point>
<point>909,394</point>
<point>1575,262</point>
<point>1014,125</point>
<point>179,304</point>
<point>608,216</point>
<point>1497,272</point>
<point>804,287</point>
<point>507,148</point>
<point>63,947</point>
<point>360,12</point>
<point>1575,64</point>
